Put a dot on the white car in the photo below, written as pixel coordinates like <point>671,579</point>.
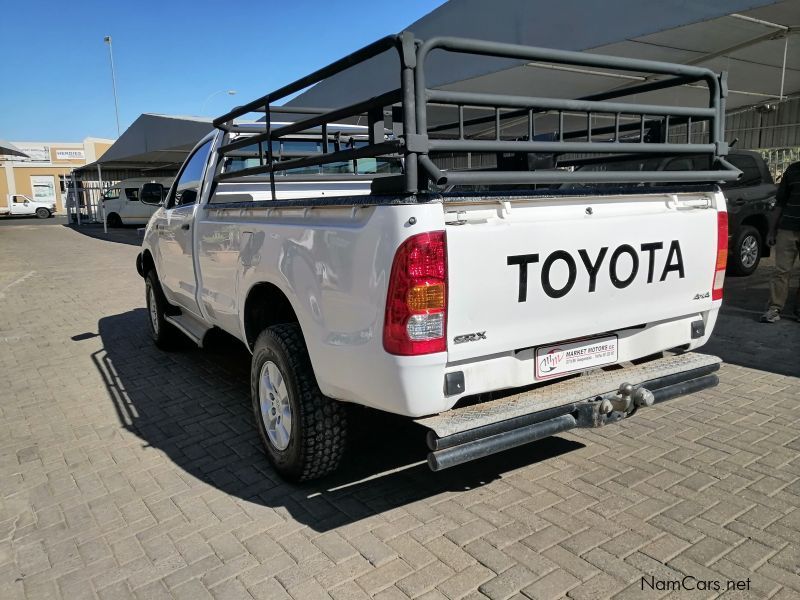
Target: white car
<point>122,202</point>
<point>493,316</point>
<point>19,205</point>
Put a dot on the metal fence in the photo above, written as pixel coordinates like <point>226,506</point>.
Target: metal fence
<point>779,159</point>
<point>84,201</point>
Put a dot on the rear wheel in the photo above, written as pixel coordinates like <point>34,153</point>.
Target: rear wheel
<point>114,220</point>
<point>42,213</point>
<point>746,251</point>
<point>304,433</point>
<point>164,335</point>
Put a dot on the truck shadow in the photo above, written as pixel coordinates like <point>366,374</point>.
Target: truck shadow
<point>125,234</point>
<point>194,405</point>
<point>739,338</point>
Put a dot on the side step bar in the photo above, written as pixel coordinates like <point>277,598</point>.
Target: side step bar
<point>594,410</point>
<point>188,326</point>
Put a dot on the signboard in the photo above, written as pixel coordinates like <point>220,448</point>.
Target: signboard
<point>70,155</point>
<point>36,152</point>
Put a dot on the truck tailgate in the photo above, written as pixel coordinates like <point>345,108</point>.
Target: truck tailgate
<point>539,271</point>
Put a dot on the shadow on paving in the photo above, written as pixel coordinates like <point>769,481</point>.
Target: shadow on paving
<point>739,338</point>
<point>126,234</point>
<point>32,220</point>
<point>194,405</point>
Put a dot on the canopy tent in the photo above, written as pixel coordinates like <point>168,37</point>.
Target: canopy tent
<point>756,41</point>
<point>153,146</point>
<point>155,140</point>
<point>9,149</point>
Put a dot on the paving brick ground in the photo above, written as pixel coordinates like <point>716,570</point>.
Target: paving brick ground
<point>128,472</point>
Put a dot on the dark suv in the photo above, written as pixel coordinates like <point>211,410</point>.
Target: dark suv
<point>750,199</point>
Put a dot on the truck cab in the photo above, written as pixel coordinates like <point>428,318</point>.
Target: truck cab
<point>122,201</point>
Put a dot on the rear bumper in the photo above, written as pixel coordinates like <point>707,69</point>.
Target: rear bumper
<point>464,434</point>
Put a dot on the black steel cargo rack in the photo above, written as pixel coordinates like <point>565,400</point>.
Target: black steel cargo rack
<point>397,123</point>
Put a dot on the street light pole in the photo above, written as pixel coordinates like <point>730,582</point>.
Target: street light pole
<point>107,40</point>
<point>229,92</point>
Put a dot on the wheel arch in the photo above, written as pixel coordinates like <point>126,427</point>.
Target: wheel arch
<point>265,305</point>
<point>145,263</point>
<point>761,223</point>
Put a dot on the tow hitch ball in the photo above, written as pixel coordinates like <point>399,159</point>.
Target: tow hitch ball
<point>627,398</point>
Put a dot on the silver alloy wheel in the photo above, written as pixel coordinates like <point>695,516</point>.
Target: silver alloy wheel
<point>276,410</point>
<point>749,251</point>
<point>153,310</point>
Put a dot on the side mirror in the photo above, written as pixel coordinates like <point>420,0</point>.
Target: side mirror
<point>152,193</point>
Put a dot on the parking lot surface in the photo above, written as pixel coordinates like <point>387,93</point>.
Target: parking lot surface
<point>129,472</point>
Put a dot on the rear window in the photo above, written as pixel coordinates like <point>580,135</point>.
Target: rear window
<point>284,150</point>
<point>639,164</point>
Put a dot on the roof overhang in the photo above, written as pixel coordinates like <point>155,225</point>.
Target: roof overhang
<point>154,140</point>
<point>753,40</point>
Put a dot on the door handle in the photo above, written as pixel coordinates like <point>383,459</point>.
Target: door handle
<point>185,226</point>
<point>739,202</point>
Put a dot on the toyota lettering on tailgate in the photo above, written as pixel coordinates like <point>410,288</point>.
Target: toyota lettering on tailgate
<point>658,264</point>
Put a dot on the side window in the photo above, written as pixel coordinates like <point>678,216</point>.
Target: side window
<point>20,199</point>
<point>187,188</point>
<point>111,194</point>
<point>132,194</point>
<point>751,175</point>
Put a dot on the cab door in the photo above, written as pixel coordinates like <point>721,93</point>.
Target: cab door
<point>21,205</point>
<point>132,210</point>
<point>176,233</point>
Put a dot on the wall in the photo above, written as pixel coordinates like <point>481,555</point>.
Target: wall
<point>760,128</point>
<point>15,175</point>
<point>22,181</point>
<point>3,187</point>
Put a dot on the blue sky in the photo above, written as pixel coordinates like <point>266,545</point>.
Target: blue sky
<point>169,55</point>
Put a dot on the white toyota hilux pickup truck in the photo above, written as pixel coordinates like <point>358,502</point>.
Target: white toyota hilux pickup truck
<point>495,307</point>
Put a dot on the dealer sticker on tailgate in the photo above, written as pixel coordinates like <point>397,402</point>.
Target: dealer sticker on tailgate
<point>561,359</point>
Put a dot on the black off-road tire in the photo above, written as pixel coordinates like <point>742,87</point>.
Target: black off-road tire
<point>164,335</point>
<point>114,220</point>
<point>42,213</point>
<point>751,236</point>
<point>319,424</point>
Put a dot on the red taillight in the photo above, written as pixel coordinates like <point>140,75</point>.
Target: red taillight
<point>416,304</point>
<point>722,256</point>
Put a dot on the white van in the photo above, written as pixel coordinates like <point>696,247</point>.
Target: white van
<point>122,201</point>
